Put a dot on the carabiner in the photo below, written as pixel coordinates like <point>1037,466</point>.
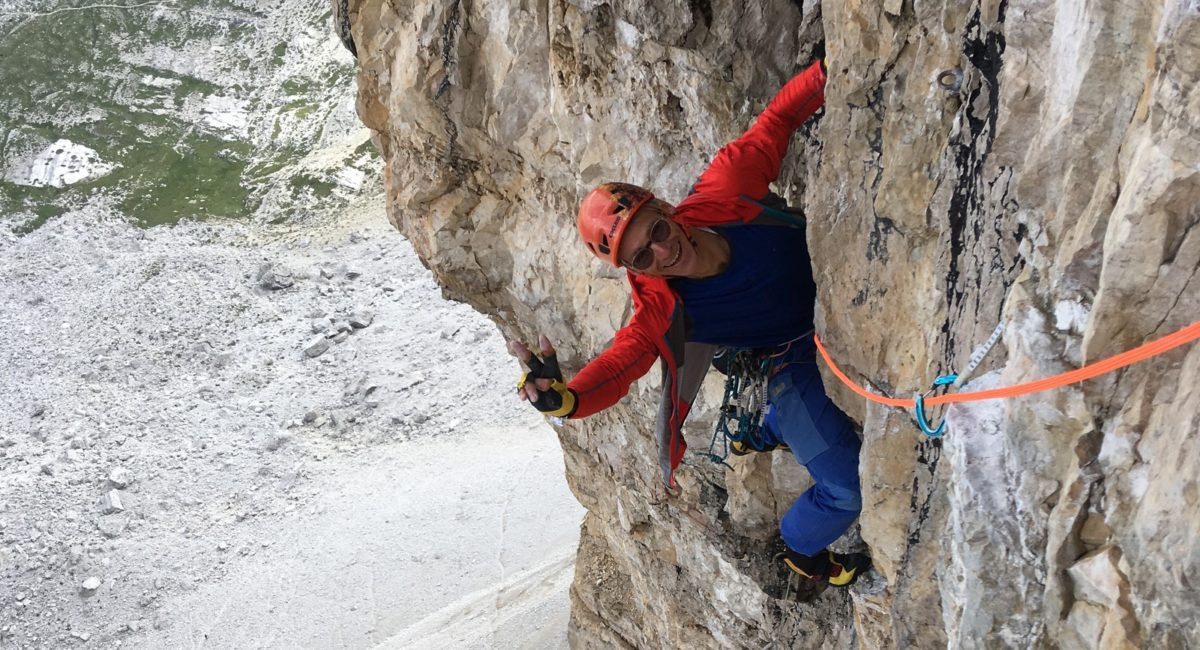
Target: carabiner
<point>919,408</point>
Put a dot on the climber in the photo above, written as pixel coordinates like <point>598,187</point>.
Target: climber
<point>725,267</point>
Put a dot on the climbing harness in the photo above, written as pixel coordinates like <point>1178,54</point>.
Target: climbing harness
<point>744,403</point>
<point>1092,370</point>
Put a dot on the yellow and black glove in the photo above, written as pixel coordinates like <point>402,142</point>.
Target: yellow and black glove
<point>556,400</point>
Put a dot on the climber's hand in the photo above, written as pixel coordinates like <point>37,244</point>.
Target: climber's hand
<point>543,385</point>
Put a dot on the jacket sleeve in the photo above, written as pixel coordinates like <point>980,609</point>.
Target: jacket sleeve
<point>606,379</point>
<point>747,166</point>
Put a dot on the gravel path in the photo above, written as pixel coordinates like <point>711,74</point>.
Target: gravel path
<point>208,434</point>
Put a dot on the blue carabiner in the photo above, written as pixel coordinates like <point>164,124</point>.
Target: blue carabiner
<point>919,407</point>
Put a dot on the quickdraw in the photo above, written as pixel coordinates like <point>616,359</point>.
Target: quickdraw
<point>744,403</point>
<point>1095,369</point>
<point>957,381</point>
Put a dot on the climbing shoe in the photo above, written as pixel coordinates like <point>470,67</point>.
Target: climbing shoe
<point>834,569</point>
<point>745,447</point>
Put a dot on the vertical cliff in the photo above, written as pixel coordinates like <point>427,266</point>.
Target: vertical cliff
<point>1051,180</point>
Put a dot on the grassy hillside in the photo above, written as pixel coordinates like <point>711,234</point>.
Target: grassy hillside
<point>202,105</point>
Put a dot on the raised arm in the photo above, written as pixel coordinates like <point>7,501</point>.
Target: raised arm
<point>747,166</point>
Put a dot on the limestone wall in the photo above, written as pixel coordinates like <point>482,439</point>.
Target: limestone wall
<point>1054,185</point>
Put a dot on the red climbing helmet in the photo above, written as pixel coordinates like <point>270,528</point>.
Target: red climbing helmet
<point>605,214</point>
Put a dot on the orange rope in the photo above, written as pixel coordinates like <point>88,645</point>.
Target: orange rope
<point>1140,353</point>
<point>879,399</point>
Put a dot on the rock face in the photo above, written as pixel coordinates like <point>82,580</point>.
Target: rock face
<point>1051,180</point>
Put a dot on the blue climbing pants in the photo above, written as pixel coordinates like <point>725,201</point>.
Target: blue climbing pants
<point>823,440</point>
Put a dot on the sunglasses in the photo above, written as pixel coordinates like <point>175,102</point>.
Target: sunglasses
<point>643,257</point>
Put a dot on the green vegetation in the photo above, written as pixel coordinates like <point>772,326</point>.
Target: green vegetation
<point>319,186</point>
<point>43,202</point>
<point>367,148</point>
<point>264,168</point>
<point>78,88</point>
<point>201,176</point>
<point>296,86</point>
<point>194,86</point>
<point>102,90</point>
<point>42,214</point>
<point>302,107</point>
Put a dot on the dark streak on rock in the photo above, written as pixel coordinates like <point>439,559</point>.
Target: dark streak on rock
<point>449,38</point>
<point>985,51</point>
<point>1176,242</point>
<point>703,9</point>
<point>877,244</point>
<point>929,452</point>
<point>674,106</point>
<point>882,226</point>
<point>341,21</point>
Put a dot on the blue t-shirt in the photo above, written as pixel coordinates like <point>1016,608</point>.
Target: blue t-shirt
<point>763,298</point>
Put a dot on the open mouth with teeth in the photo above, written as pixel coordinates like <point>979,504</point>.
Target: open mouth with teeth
<point>674,258</point>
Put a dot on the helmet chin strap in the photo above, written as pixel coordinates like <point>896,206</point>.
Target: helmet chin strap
<point>689,234</point>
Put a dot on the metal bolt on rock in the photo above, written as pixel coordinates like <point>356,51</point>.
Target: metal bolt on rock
<point>950,80</point>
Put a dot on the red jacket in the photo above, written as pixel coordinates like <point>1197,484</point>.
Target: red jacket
<point>729,191</point>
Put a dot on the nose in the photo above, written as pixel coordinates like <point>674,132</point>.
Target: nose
<point>662,249</point>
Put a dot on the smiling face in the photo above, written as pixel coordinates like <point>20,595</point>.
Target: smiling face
<point>672,254</point>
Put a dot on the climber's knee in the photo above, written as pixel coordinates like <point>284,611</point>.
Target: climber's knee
<point>845,498</point>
